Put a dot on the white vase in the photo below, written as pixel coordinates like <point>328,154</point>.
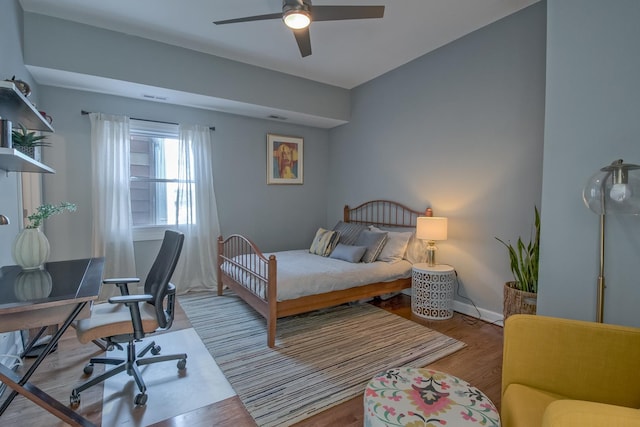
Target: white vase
<point>30,249</point>
<point>32,285</point>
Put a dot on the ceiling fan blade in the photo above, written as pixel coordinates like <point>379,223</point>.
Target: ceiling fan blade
<point>304,41</point>
<point>250,18</point>
<point>337,13</point>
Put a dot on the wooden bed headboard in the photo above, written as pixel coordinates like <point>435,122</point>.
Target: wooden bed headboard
<point>384,213</point>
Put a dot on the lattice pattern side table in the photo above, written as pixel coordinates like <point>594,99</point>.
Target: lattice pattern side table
<point>432,291</point>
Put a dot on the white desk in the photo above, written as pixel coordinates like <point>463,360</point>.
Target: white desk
<point>73,286</point>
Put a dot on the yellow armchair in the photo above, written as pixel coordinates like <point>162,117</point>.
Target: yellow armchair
<point>561,372</point>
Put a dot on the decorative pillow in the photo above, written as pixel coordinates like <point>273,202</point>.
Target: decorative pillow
<point>396,245</point>
<point>348,232</point>
<point>348,253</point>
<point>416,250</point>
<point>374,241</point>
<point>324,242</point>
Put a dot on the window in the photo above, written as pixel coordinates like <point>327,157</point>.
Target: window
<point>154,185</point>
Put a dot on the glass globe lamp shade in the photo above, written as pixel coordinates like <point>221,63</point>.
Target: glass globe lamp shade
<point>614,189</point>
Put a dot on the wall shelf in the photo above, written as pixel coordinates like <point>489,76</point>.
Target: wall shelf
<point>12,160</point>
<point>16,107</point>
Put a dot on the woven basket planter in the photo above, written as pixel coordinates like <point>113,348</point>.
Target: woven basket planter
<point>29,151</point>
<point>517,301</point>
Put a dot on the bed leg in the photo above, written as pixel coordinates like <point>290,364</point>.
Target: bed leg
<point>271,332</point>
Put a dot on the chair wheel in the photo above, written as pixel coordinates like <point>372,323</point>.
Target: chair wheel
<point>74,399</point>
<point>88,369</point>
<point>155,350</point>
<point>141,399</point>
<point>182,363</point>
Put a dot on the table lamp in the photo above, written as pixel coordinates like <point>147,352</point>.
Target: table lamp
<point>614,189</point>
<point>431,228</point>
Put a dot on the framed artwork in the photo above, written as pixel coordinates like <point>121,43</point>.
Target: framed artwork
<point>285,156</point>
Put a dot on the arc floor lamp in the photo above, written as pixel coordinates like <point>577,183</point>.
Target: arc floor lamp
<point>614,189</point>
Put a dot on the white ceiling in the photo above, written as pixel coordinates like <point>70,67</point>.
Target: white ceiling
<point>345,53</point>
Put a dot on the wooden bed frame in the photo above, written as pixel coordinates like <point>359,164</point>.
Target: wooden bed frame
<point>262,272</point>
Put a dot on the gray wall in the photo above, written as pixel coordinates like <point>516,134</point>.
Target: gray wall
<point>11,64</point>
<point>460,130</point>
<point>592,105</point>
<point>276,217</point>
<point>78,48</point>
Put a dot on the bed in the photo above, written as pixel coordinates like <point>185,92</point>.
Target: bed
<point>271,283</point>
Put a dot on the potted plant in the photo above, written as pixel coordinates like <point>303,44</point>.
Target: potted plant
<point>31,247</point>
<point>26,142</point>
<point>520,295</point>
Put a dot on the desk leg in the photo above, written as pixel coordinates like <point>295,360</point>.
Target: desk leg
<point>37,395</point>
<point>42,399</point>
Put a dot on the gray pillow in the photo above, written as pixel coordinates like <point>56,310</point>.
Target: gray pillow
<point>348,253</point>
<point>349,232</point>
<point>374,241</point>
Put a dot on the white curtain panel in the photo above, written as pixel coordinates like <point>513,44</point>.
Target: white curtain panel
<point>196,269</point>
<point>111,235</point>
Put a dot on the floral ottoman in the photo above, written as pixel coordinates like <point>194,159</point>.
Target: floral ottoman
<point>416,397</point>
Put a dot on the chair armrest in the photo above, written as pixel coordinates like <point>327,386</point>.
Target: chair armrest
<point>128,299</point>
<point>131,301</point>
<point>121,283</point>
<point>579,413</point>
<point>117,280</point>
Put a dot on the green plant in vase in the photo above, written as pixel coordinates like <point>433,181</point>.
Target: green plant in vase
<point>45,211</point>
<point>521,295</point>
<point>525,258</point>
<point>26,141</point>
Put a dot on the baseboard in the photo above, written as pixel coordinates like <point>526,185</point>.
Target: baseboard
<point>473,311</point>
<point>478,313</point>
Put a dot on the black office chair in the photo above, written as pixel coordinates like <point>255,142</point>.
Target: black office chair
<point>129,318</point>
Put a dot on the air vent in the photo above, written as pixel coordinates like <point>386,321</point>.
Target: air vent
<point>159,98</point>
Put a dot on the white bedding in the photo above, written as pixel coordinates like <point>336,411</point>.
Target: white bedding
<point>301,273</point>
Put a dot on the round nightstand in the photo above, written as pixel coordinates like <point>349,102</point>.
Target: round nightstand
<point>432,291</point>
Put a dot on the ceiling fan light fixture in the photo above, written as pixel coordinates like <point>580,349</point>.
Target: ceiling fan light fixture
<point>297,19</point>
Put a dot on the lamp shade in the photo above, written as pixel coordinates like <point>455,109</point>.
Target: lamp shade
<point>297,20</point>
<point>614,189</point>
<point>431,228</point>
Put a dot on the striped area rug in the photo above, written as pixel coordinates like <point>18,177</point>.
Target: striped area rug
<point>321,358</point>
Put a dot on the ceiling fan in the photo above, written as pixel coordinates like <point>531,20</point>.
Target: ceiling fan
<point>298,14</point>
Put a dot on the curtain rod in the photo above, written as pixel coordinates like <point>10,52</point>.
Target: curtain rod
<point>84,113</point>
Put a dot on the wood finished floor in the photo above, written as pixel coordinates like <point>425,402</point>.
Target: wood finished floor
<point>479,363</point>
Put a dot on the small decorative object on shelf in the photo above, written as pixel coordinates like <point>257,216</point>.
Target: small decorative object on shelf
<point>27,142</point>
<point>6,134</point>
<point>21,85</point>
<point>46,116</point>
<point>31,248</point>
